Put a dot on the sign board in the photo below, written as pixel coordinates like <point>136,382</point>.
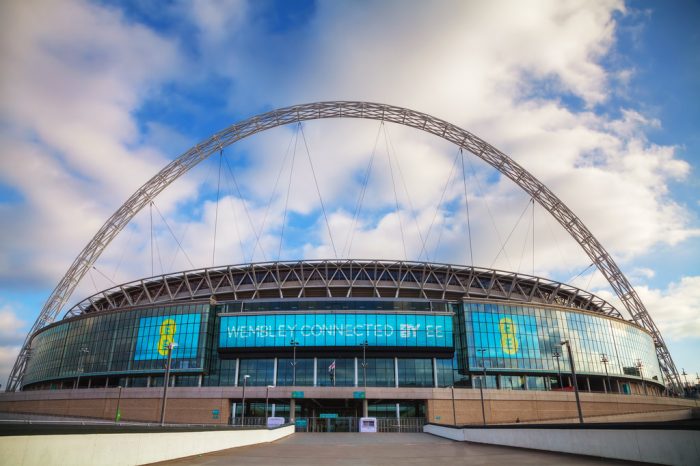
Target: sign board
<point>368,424</point>
<point>275,421</point>
<point>297,394</point>
<point>328,415</point>
<point>157,333</point>
<point>337,329</point>
<point>215,414</point>
<point>358,395</point>
<point>301,423</point>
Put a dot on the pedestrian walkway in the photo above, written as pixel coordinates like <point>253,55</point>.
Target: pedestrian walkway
<point>353,449</point>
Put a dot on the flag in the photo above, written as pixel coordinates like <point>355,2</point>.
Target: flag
<point>331,372</point>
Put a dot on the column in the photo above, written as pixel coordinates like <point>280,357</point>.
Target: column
<point>292,409</point>
<point>396,372</point>
<point>365,408</point>
<point>435,374</point>
<point>235,376</point>
<point>315,372</point>
<point>356,372</point>
<point>274,372</point>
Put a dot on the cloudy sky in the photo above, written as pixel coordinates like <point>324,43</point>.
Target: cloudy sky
<point>596,99</point>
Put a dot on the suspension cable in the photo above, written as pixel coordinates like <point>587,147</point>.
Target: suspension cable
<point>449,182</point>
<point>405,187</point>
<point>571,280</point>
<point>533,237</point>
<point>150,209</point>
<point>160,258</point>
<point>216,214</point>
<point>274,189</point>
<point>121,256</point>
<point>437,210</point>
<point>510,234</point>
<point>179,244</point>
<point>313,172</point>
<point>361,197</point>
<point>104,275</point>
<point>207,177</point>
<point>466,202</point>
<point>396,197</point>
<point>92,279</point>
<point>525,241</point>
<point>488,209</point>
<point>289,189</point>
<point>245,208</point>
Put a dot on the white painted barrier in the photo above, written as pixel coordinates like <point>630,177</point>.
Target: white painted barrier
<point>127,448</point>
<point>660,446</point>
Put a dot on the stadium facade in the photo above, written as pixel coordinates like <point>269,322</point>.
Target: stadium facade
<point>343,338</point>
<point>328,325</point>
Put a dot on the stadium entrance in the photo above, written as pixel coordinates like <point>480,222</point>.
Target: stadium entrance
<point>333,415</point>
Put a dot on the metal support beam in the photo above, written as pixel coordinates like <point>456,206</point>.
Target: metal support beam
<point>346,109</point>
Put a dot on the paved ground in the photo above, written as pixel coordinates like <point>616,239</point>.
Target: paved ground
<point>355,449</point>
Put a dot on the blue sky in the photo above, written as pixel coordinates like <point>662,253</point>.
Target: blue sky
<point>595,99</point>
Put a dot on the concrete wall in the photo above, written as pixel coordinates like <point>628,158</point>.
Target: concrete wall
<point>505,407</point>
<point>674,447</point>
<point>196,404</point>
<point>125,449</point>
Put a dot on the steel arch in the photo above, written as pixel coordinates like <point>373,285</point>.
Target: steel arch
<point>348,109</point>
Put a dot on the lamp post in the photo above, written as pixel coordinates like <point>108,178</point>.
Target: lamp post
<point>556,355</point>
<point>166,381</point>
<point>604,359</point>
<point>639,365</point>
<point>481,385</point>
<point>83,351</point>
<point>685,376</point>
<point>454,411</point>
<point>573,373</point>
<point>245,382</point>
<point>294,345</point>
<point>267,397</point>
<point>118,415</point>
<point>364,363</point>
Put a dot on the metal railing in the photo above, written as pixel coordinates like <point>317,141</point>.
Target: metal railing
<point>351,424</point>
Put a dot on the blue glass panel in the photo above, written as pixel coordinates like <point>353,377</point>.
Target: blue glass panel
<point>320,329</point>
<point>155,333</point>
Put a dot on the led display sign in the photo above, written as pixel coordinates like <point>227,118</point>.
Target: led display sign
<point>345,329</point>
<point>156,333</point>
<point>505,335</point>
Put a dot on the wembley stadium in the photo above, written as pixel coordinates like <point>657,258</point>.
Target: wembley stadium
<point>326,342</point>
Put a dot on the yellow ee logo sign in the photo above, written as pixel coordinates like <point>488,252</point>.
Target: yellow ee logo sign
<point>509,335</point>
<point>167,334</point>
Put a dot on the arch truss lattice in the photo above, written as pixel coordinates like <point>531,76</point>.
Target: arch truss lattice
<point>348,109</point>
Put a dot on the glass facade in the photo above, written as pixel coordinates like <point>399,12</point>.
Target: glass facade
<point>524,338</point>
<point>516,345</point>
<point>322,329</point>
<point>121,343</point>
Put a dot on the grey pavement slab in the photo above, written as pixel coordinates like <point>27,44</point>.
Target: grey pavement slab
<point>355,449</point>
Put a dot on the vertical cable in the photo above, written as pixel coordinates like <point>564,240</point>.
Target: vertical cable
<point>533,236</point>
<point>216,215</point>
<point>151,215</point>
<point>396,197</point>
<point>289,189</point>
<point>466,201</point>
<point>323,208</point>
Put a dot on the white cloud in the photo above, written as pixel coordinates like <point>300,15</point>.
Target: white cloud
<point>8,354</point>
<point>73,74</point>
<point>676,309</point>
<point>11,326</point>
<point>75,150</point>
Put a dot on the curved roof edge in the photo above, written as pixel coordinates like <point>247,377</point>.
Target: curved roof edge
<point>342,279</point>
